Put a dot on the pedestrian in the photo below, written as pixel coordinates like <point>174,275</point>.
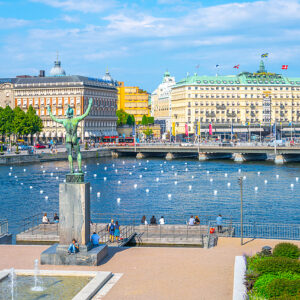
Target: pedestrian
<point>219,221</point>
<point>191,221</point>
<point>153,221</point>
<point>162,220</point>
<point>74,247</point>
<point>95,239</point>
<point>56,218</point>
<point>144,221</point>
<point>45,219</point>
<point>117,231</point>
<point>111,230</point>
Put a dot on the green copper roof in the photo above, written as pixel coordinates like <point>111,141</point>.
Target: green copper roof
<point>167,74</point>
<point>262,77</point>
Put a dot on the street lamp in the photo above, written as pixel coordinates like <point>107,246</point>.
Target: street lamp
<point>240,181</point>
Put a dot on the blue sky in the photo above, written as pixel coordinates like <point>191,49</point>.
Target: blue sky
<point>138,40</point>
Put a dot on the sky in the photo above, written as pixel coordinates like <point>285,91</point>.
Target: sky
<point>138,40</point>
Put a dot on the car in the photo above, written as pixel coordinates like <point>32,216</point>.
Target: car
<point>39,146</point>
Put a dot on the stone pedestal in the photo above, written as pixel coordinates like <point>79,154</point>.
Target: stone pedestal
<point>74,213</point>
<point>74,223</point>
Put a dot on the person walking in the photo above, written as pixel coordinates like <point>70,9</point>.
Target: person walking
<point>111,230</point>
<point>219,222</point>
<point>117,231</point>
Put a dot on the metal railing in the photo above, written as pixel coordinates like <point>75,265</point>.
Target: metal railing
<point>262,230</point>
<point>3,227</point>
<point>33,224</point>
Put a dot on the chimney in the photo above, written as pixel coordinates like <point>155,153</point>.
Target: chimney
<point>42,73</point>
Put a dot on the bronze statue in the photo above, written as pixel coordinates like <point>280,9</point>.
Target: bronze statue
<point>71,124</point>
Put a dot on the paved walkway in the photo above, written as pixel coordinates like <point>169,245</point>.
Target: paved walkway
<point>157,273</point>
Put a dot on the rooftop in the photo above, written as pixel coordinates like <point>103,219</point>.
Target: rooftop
<point>261,77</point>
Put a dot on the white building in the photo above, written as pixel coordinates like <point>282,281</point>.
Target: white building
<point>161,101</point>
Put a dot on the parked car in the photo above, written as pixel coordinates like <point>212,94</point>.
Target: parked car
<point>39,146</point>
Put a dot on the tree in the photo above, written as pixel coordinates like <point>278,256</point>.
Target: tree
<point>144,120</point>
<point>148,132</point>
<point>34,123</point>
<point>122,117</point>
<point>129,120</point>
<point>6,121</point>
<point>19,122</point>
<point>150,120</point>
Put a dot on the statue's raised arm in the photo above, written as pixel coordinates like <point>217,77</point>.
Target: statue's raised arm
<point>61,121</point>
<point>87,111</point>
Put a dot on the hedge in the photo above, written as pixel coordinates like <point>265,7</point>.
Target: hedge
<point>286,250</point>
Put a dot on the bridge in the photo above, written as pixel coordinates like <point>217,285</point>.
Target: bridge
<point>203,152</point>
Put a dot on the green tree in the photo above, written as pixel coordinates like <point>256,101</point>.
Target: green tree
<point>33,123</point>
<point>148,132</point>
<point>122,117</point>
<point>129,120</point>
<point>6,122</point>
<point>144,120</point>
<point>19,122</point>
<point>150,120</point>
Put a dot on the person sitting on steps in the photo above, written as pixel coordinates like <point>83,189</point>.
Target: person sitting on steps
<point>74,247</point>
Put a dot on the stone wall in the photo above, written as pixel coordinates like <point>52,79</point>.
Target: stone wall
<point>43,157</point>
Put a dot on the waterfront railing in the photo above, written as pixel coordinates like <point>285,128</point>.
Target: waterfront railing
<point>261,230</point>
<point>3,227</point>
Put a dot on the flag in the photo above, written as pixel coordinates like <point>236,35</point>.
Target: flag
<point>284,67</point>
<point>186,130</point>
<point>231,128</point>
<point>173,129</point>
<point>210,129</point>
<point>264,55</point>
<point>196,130</point>
<point>217,66</point>
<point>199,128</point>
<point>236,66</point>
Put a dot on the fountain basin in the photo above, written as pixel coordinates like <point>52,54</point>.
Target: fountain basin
<point>56,284</point>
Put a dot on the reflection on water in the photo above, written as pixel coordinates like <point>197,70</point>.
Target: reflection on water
<point>141,188</point>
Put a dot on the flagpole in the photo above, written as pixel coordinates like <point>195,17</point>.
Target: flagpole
<point>260,132</point>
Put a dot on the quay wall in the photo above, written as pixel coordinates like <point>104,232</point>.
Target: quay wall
<point>44,157</point>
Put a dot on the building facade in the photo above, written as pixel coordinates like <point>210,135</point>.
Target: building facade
<point>58,92</point>
<point>161,108</point>
<point>133,101</point>
<point>257,99</point>
<point>6,92</point>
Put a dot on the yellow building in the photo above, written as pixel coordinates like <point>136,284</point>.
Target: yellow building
<point>251,99</point>
<point>133,101</point>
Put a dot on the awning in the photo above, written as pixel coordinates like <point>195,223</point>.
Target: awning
<point>47,134</point>
<point>60,134</point>
<point>86,134</point>
<point>53,134</point>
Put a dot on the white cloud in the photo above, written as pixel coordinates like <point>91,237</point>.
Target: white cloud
<point>8,23</point>
<point>85,6</point>
<point>70,19</point>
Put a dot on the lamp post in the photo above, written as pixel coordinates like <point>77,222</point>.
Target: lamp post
<point>240,180</point>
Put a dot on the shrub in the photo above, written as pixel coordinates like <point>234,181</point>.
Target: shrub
<point>261,285</point>
<point>283,287</point>
<point>286,250</point>
<point>276,265</point>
